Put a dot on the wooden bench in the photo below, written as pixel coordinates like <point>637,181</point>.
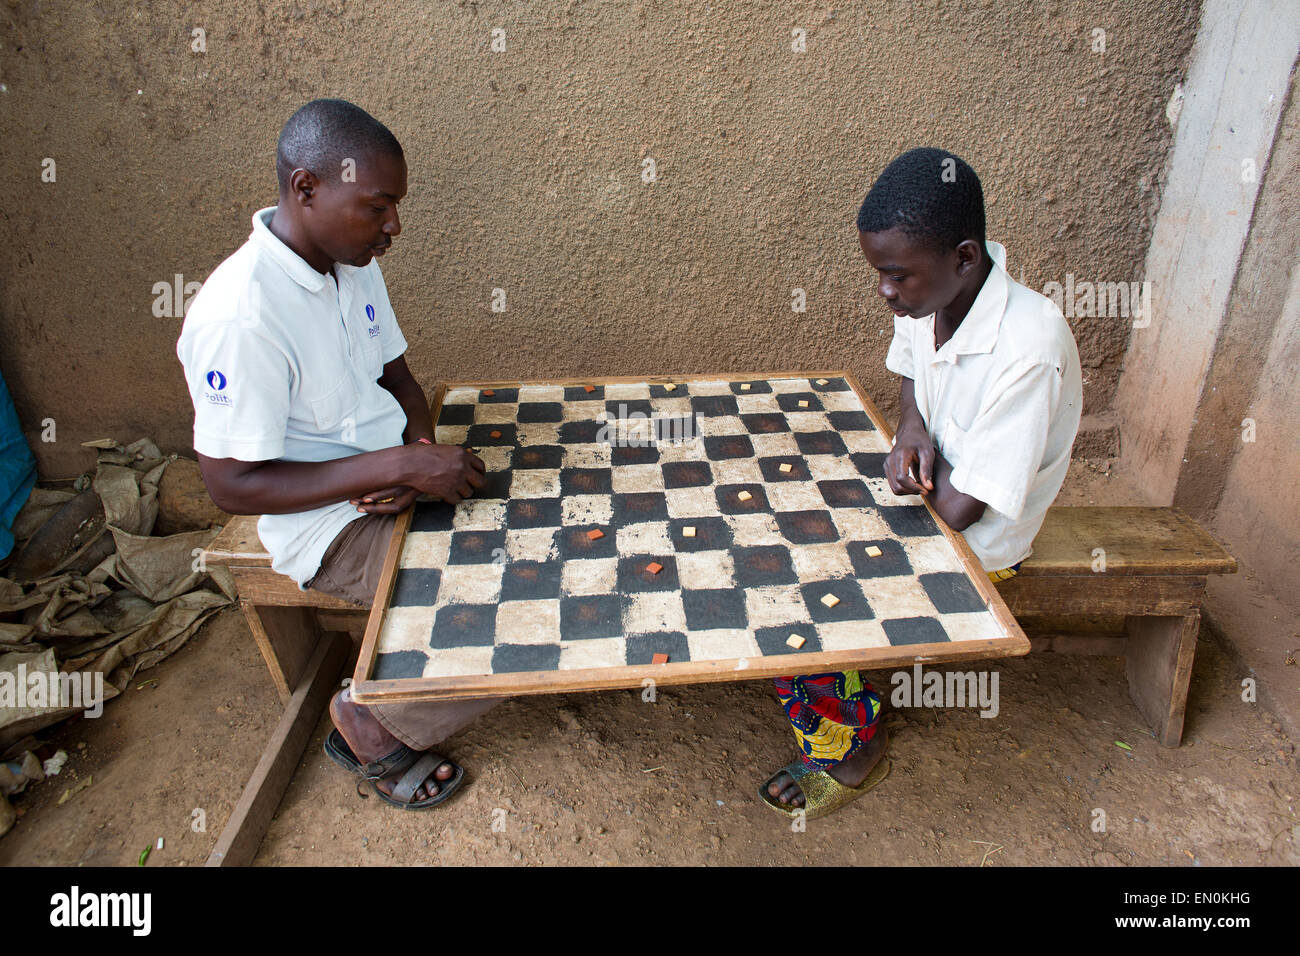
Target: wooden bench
<point>1156,561</point>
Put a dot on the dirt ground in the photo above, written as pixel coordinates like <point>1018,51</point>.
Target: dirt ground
<point>607,778</point>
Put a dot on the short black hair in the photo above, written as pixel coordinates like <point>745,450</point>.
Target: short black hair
<point>930,194</point>
<point>323,133</point>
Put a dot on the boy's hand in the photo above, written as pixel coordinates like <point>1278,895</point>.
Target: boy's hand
<point>448,472</point>
<point>912,449</point>
<point>387,501</point>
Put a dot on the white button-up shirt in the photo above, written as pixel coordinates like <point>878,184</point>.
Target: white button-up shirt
<point>282,363</point>
<point>1001,400</point>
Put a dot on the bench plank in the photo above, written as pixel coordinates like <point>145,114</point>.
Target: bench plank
<point>238,543</point>
<point>1136,541</point>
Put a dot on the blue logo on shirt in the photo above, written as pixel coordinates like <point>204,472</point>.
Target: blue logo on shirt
<point>216,380</point>
<point>370,314</point>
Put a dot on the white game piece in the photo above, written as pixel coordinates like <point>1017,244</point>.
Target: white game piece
<point>744,496</point>
<point>873,551</point>
<point>744,386</point>
<point>670,388</point>
<point>688,531</point>
<point>795,641</point>
<point>785,467</point>
<point>803,403</point>
<point>830,600</point>
<point>823,381</point>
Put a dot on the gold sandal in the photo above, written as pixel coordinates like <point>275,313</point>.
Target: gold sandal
<point>822,793</point>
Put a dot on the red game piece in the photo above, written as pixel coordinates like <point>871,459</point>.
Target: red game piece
<point>654,567</point>
<point>595,533</point>
<point>488,393</point>
<point>494,434</point>
<point>659,659</point>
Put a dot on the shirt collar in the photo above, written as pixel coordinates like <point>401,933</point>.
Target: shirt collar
<point>978,332</point>
<point>288,260</point>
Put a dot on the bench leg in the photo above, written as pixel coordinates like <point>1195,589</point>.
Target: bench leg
<point>243,833</point>
<point>1159,663</point>
<point>286,636</point>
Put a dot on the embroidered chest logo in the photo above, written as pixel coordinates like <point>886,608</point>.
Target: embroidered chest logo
<point>373,330</point>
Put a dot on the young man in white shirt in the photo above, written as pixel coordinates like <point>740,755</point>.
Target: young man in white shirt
<point>306,413</point>
<point>991,396</point>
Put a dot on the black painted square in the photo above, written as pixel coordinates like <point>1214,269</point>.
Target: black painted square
<point>456,415</point>
<point>914,630</point>
<point>523,658</point>
<point>538,456</point>
<point>416,587</point>
<point>772,640</point>
<point>633,576</point>
<point>721,608</point>
<point>480,436</point>
<point>687,474</point>
<point>638,506</point>
<point>432,516</point>
<point>582,432</point>
<point>849,421</point>
<point>820,443</point>
<point>498,396</point>
<point>585,481</point>
<point>579,393</point>
<point>755,388</point>
<point>713,405</point>
<point>845,493</point>
<point>626,407</point>
<point>711,534</point>
<point>641,648</point>
<point>534,513</point>
<point>464,625</point>
<point>530,580</point>
<point>573,543</point>
<point>853,604</point>
<point>909,521</point>
<point>951,592</point>
<point>891,562</point>
<point>807,527</point>
<point>590,616</point>
<point>475,547</point>
<point>730,504</point>
<point>762,566</point>
<point>771,468</point>
<point>765,423</point>
<point>722,447</point>
<point>870,464</point>
<point>398,664</point>
<point>833,385</point>
<point>633,454</point>
<point>539,412</point>
<point>681,391</point>
<point>496,484</point>
<point>789,402</point>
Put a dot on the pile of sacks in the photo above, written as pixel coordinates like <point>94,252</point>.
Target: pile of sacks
<point>106,580</point>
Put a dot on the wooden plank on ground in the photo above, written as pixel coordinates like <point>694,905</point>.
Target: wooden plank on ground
<point>243,833</point>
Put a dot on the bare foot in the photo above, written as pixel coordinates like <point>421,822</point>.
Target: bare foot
<point>849,772</point>
<point>370,741</point>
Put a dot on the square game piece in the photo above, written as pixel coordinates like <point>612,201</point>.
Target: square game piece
<point>830,600</point>
<point>688,531</point>
<point>595,534</point>
<point>785,467</point>
<point>494,434</point>
<point>659,659</point>
<point>670,387</point>
<point>803,403</point>
<point>589,388</point>
<point>654,567</point>
<point>795,641</point>
<point>744,496</point>
<point>873,551</point>
<point>823,381</point>
<point>488,392</point>
<point>744,386</point>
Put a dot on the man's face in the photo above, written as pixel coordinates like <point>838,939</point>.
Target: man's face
<point>915,280</point>
<point>354,221</point>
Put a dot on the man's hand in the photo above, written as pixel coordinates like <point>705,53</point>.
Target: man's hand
<point>386,501</point>
<point>912,450</point>
<point>448,472</point>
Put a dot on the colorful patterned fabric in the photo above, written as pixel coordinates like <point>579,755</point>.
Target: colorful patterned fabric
<point>834,715</point>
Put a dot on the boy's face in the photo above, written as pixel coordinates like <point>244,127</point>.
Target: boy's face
<point>915,279</point>
<point>354,221</point>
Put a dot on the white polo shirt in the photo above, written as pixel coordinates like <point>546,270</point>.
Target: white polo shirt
<point>282,363</point>
<point>1001,400</point>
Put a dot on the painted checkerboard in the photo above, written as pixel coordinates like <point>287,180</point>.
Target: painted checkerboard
<point>756,498</point>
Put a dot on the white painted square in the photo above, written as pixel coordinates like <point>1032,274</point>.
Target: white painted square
<point>528,622</point>
<point>539,433</point>
<point>775,606</point>
<point>900,596</point>
<point>713,425</point>
<point>795,496</point>
<point>531,544</point>
<point>458,661</point>
<point>496,413</point>
<point>587,510</point>
<point>634,478</point>
<point>495,457</point>
<point>724,644</point>
<point>977,626</point>
<point>710,388</point>
<point>646,537</point>
<point>831,467</point>
<point>691,502</point>
<point>818,562</point>
<point>860,524</point>
<point>541,393</point>
<point>774,444</point>
<point>589,576</point>
<point>451,434</point>
<point>705,570</point>
<point>627,391</point>
<point>405,629</point>
<point>757,403</point>
<point>864,441</point>
<point>650,611</point>
<point>535,483</point>
<point>598,652</point>
<point>737,471</point>
<point>471,584</point>
<point>480,514</point>
<point>596,455</point>
<point>754,529</point>
<point>425,549</point>
<point>851,635</point>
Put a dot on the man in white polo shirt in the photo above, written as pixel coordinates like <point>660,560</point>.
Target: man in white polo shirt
<point>991,396</point>
<point>305,412</point>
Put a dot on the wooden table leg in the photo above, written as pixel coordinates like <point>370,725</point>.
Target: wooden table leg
<point>243,834</point>
<point>1159,663</point>
<point>286,636</point>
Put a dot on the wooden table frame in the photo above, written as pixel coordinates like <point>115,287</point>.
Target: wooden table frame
<point>367,690</point>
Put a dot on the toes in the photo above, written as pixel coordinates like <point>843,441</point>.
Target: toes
<point>792,795</point>
<point>445,771</point>
<point>779,783</point>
